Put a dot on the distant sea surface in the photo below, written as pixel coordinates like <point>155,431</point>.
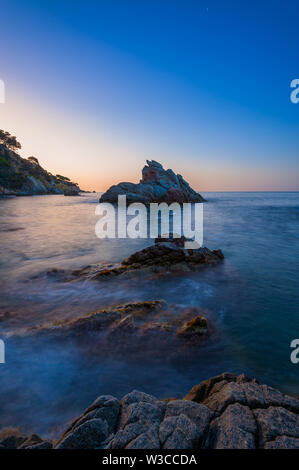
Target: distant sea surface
<point>253,295</point>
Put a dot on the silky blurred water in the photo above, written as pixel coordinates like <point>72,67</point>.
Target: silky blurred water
<point>252,297</point>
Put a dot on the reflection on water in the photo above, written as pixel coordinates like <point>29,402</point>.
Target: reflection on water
<point>253,296</point>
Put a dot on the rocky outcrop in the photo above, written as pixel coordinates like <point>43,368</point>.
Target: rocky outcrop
<point>156,185</point>
<point>153,326</point>
<point>71,192</point>
<point>166,255</point>
<point>24,177</point>
<point>172,251</point>
<point>247,414</point>
<point>138,421</point>
<point>224,412</point>
<point>12,438</point>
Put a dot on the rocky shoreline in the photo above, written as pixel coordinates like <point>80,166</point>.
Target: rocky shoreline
<point>26,177</point>
<point>223,412</point>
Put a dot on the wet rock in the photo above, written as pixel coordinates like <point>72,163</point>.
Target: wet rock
<point>166,255</point>
<point>220,391</point>
<point>276,421</point>
<point>196,326</point>
<point>11,438</point>
<point>156,185</point>
<point>146,440</point>
<point>184,425</point>
<point>42,445</point>
<point>154,326</point>
<point>106,409</point>
<point>89,435</point>
<point>224,412</point>
<point>201,391</point>
<point>139,422</point>
<point>275,414</point>
<point>55,273</point>
<point>171,251</point>
<point>223,395</point>
<point>234,429</point>
<point>30,441</point>
<point>283,442</point>
<point>71,192</point>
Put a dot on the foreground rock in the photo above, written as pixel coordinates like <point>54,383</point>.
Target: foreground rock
<point>12,438</point>
<point>166,255</point>
<point>224,412</point>
<point>156,185</point>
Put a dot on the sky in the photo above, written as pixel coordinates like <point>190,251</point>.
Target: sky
<point>94,88</point>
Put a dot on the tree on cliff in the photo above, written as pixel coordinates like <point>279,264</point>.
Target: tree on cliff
<point>10,141</point>
<point>62,178</point>
<point>33,160</point>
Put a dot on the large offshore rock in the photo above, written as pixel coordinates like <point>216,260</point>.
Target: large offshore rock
<point>156,185</point>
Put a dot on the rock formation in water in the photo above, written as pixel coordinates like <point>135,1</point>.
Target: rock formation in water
<point>25,177</point>
<point>164,256</point>
<point>224,412</point>
<point>156,185</point>
<point>157,328</point>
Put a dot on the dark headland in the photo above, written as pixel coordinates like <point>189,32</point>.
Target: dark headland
<point>25,176</point>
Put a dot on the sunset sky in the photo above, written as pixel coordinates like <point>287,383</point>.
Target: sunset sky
<point>94,88</point>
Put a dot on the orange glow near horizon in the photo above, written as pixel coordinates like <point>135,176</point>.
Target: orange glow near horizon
<point>81,149</point>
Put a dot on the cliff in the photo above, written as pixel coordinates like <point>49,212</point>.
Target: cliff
<point>24,177</point>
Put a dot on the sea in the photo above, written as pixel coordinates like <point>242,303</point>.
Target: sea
<point>252,297</point>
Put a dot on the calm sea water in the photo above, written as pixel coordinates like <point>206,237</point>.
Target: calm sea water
<point>253,297</point>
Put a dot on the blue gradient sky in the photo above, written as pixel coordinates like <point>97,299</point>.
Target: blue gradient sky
<point>94,88</point>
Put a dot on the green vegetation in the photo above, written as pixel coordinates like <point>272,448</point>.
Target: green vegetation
<point>33,160</point>
<point>36,175</point>
<point>15,171</point>
<point>62,178</point>
<point>3,161</point>
<point>11,180</point>
<point>10,141</point>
